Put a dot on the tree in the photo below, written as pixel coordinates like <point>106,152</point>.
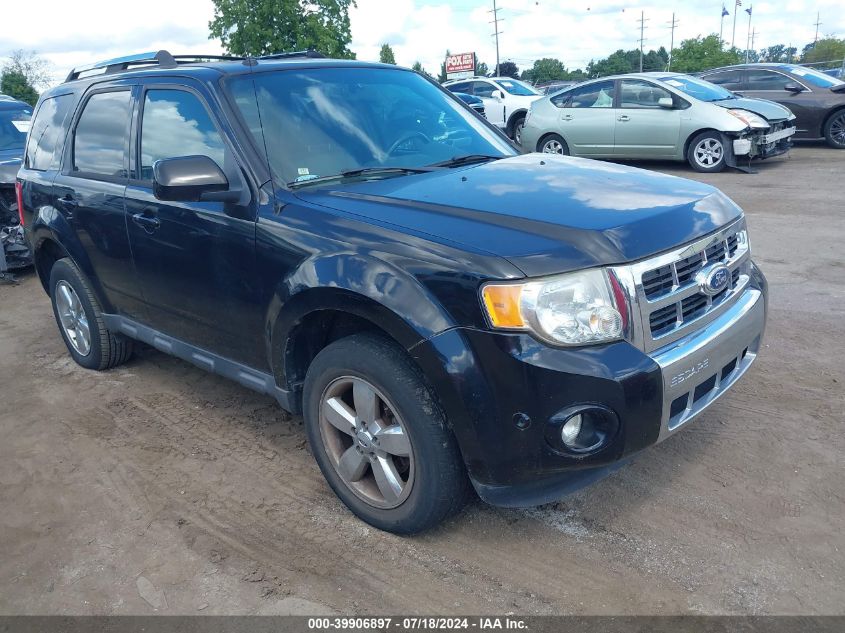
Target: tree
<point>35,70</point>
<point>442,76</point>
<point>417,67</point>
<point>778,53</point>
<point>700,53</point>
<point>16,85</point>
<point>546,69</point>
<point>828,49</point>
<point>508,69</point>
<point>264,27</point>
<point>385,56</point>
<point>481,69</point>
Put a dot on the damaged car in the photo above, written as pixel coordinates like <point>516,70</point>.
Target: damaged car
<point>665,116</point>
<point>14,124</point>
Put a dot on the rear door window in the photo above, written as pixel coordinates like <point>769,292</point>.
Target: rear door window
<point>46,140</point>
<point>465,87</point>
<point>730,79</point>
<point>101,138</point>
<point>175,123</point>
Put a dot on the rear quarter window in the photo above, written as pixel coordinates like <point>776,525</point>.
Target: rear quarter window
<point>46,135</point>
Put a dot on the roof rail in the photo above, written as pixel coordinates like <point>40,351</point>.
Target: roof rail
<point>162,59</point>
<point>308,53</point>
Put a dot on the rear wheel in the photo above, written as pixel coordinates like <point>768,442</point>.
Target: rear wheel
<point>79,317</point>
<point>834,130</point>
<point>706,152</point>
<point>553,144</point>
<point>379,437</point>
<point>517,130</point>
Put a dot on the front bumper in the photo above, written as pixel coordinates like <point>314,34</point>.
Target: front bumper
<point>497,382</point>
<point>764,144</point>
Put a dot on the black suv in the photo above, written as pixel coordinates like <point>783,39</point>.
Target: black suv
<point>354,241</point>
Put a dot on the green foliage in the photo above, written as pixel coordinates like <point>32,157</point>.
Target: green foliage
<point>418,67</point>
<point>442,76</point>
<point>546,69</point>
<point>385,55</point>
<point>828,49</point>
<point>263,27</point>
<point>779,53</point>
<point>508,69</point>
<point>701,53</point>
<point>622,62</point>
<point>15,84</point>
<point>481,69</point>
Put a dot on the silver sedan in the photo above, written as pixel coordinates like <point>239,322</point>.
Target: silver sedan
<point>658,115</point>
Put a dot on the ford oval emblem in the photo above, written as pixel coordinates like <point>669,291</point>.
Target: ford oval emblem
<point>713,279</point>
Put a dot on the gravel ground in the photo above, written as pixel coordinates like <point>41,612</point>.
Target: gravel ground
<point>156,487</point>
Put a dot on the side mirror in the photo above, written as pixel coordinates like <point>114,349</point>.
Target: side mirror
<point>190,179</point>
<point>792,87</point>
<point>666,102</point>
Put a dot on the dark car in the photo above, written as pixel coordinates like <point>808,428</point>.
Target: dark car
<point>816,99</point>
<point>348,238</point>
<point>14,124</point>
<point>550,87</point>
<point>472,101</point>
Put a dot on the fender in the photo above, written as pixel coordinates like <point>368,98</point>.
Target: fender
<point>358,284</point>
<point>50,225</point>
<point>513,117</point>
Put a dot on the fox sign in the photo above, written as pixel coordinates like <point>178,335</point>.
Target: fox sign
<point>461,65</point>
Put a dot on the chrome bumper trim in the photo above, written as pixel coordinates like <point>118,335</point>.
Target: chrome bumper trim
<point>704,365</point>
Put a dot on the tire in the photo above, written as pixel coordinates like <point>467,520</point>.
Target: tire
<point>518,124</point>
<point>834,130</point>
<point>77,309</point>
<point>430,481</point>
<point>553,144</point>
<point>706,152</point>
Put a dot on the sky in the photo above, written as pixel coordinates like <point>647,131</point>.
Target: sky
<point>71,33</point>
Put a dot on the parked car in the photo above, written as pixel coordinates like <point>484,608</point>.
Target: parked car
<point>14,123</point>
<point>661,116</point>
<point>473,102</point>
<point>834,72</point>
<point>550,87</point>
<point>817,99</point>
<point>505,100</point>
<point>439,308</point>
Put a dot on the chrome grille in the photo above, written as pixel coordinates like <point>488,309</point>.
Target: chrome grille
<point>665,291</point>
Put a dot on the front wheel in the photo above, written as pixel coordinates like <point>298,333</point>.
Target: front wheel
<point>517,130</point>
<point>834,130</point>
<point>706,152</point>
<point>379,436</point>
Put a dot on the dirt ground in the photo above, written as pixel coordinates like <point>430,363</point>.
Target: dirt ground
<point>159,488</point>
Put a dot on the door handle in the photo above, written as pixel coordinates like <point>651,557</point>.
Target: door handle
<point>567,117</point>
<point>623,117</point>
<point>149,223</point>
<point>67,203</point>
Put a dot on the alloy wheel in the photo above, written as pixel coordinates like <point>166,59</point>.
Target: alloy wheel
<point>517,133</point>
<point>73,319</point>
<point>552,147</point>
<point>837,129</point>
<point>708,152</point>
<point>367,442</point>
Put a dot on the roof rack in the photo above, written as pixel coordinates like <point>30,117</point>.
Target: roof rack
<point>162,59</point>
<point>307,53</point>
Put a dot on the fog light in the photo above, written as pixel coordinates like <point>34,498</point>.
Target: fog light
<point>569,431</point>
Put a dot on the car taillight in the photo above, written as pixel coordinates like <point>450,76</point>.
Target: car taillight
<point>19,196</point>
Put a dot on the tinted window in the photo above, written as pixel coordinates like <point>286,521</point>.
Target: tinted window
<point>464,86</point>
<point>175,123</point>
<point>766,80</point>
<point>641,94</point>
<point>102,135</point>
<point>44,146</point>
<point>730,79</point>
<point>320,122</point>
<point>14,124</point>
<point>483,89</point>
<point>595,95</point>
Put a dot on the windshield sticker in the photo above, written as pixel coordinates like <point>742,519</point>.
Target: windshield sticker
<point>674,82</point>
<point>303,171</point>
<point>22,126</point>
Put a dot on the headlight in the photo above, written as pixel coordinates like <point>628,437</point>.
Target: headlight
<point>750,119</point>
<point>577,308</point>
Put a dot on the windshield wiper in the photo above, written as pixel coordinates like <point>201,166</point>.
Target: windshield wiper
<point>457,161</point>
<point>362,171</point>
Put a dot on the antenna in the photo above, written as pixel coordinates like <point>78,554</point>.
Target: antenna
<point>672,25</point>
<point>642,22</point>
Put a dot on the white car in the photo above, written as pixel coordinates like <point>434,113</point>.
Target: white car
<point>506,100</point>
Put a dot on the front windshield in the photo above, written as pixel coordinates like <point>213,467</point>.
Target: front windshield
<point>814,76</point>
<point>698,88</point>
<point>14,124</point>
<point>323,121</point>
<point>516,87</point>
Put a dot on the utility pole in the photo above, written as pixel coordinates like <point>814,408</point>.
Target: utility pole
<point>673,24</point>
<point>737,4</point>
<point>748,36</point>
<point>818,24</point>
<point>642,22</point>
<point>496,33</point>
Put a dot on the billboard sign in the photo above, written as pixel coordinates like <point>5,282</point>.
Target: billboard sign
<point>460,65</point>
